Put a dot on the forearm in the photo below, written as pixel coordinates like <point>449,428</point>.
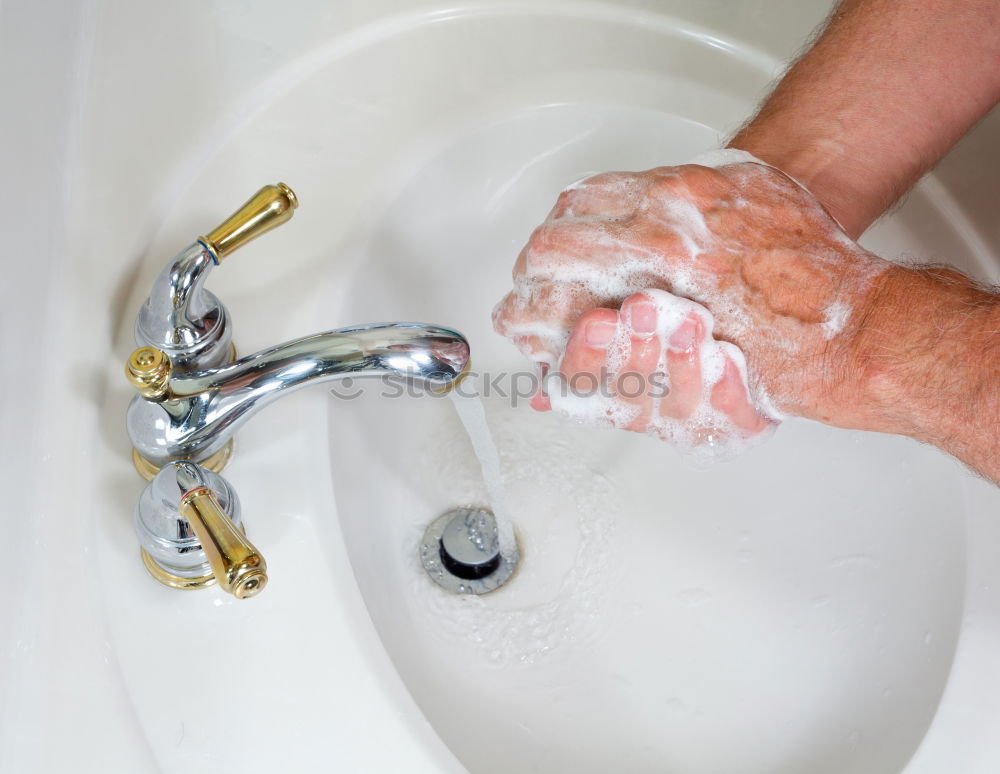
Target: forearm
<point>884,93</point>
<point>927,358</point>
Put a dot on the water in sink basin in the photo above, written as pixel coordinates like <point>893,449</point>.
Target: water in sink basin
<point>795,610</point>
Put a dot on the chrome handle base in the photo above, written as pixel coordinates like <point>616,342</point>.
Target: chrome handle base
<point>188,323</point>
<point>191,533</point>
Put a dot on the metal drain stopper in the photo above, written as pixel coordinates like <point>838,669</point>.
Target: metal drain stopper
<point>461,552</point>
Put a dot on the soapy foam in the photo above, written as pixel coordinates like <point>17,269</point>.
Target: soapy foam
<point>618,268</point>
<point>592,410</point>
<point>836,316</point>
<point>581,183</point>
<point>722,157</point>
<point>708,434</point>
<point>562,280</point>
<point>686,221</point>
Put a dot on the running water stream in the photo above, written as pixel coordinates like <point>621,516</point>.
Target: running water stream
<point>473,415</point>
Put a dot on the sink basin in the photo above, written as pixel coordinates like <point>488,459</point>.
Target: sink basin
<point>825,603</point>
<point>802,603</point>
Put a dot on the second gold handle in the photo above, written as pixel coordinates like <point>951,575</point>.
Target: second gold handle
<point>237,565</point>
<point>271,206</point>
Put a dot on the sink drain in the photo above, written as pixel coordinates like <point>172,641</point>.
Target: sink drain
<point>461,552</point>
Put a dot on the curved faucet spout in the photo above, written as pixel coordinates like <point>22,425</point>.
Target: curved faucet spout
<point>201,411</point>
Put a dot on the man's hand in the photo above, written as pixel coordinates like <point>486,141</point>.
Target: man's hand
<point>654,367</point>
<point>829,331</point>
<point>667,272</point>
<point>783,283</point>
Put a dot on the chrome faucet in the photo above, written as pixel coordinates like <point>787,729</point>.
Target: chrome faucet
<point>193,397</point>
<point>194,416</point>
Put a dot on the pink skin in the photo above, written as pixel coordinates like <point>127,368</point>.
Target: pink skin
<point>743,241</point>
<point>586,357</point>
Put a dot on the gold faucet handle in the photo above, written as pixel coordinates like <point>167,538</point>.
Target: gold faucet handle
<point>271,206</point>
<point>238,567</point>
<point>149,370</point>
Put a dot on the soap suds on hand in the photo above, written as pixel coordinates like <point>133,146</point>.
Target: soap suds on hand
<point>708,434</point>
<point>623,237</point>
<point>836,316</point>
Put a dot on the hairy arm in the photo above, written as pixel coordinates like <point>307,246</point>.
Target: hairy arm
<point>887,89</point>
<point>926,363</point>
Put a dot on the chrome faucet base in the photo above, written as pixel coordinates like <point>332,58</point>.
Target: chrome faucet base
<point>164,534</point>
<point>216,463</point>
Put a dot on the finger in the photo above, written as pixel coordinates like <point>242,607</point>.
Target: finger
<point>730,396</point>
<point>538,321</point>
<point>553,278</point>
<point>633,377</point>
<point>570,267</point>
<point>556,248</point>
<point>612,195</point>
<point>510,321</point>
<point>540,400</point>
<point>683,362</point>
<point>700,186</point>
<point>584,363</point>
<point>579,391</point>
<point>504,313</point>
<point>538,349</point>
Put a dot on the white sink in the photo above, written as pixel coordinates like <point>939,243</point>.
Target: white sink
<point>827,603</point>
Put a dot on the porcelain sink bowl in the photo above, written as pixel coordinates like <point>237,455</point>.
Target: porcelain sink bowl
<point>826,603</point>
<point>802,603</point>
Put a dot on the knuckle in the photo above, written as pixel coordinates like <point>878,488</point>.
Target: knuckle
<point>565,200</point>
<point>666,186</point>
<point>544,239</point>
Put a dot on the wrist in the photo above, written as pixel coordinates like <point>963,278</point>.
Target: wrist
<point>823,168</point>
<point>926,363</point>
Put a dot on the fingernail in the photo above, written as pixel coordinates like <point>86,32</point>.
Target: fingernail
<point>685,337</point>
<point>599,333</point>
<point>643,318</point>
